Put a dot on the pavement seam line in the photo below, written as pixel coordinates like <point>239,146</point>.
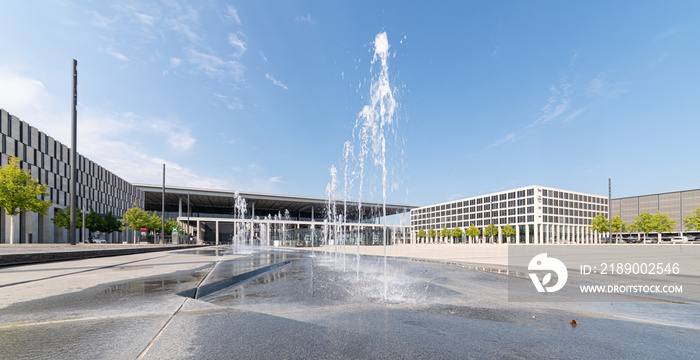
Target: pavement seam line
<point>78,272</point>
<point>155,338</point>
<point>162,330</point>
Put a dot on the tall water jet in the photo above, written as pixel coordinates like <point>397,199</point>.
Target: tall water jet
<point>331,210</point>
<point>240,233</point>
<point>375,120</point>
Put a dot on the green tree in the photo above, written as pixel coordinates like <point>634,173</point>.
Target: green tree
<point>432,233</point>
<point>644,223</point>
<point>445,232</point>
<point>421,235</point>
<point>170,224</point>
<point>600,224</point>
<point>618,225</point>
<point>93,222</point>
<point>135,218</point>
<point>154,222</point>
<point>457,232</point>
<point>473,231</point>
<point>111,223</point>
<point>20,193</point>
<point>662,223</point>
<point>62,218</point>
<point>508,231</point>
<point>491,230</point>
<point>692,220</point>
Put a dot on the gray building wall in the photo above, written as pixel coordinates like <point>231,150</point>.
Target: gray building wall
<point>676,205</point>
<point>49,162</point>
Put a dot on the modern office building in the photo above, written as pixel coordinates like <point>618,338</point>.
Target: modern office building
<point>49,162</point>
<point>540,215</point>
<point>676,205</point>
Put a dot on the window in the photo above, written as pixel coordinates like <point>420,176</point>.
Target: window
<point>530,201</point>
<point>471,202</point>
<point>502,196</point>
<point>511,195</point>
<point>530,209</point>
<point>530,192</point>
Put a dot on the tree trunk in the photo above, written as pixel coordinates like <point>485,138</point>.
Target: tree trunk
<point>12,229</point>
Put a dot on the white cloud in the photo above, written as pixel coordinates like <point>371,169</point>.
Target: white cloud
<point>117,55</point>
<point>601,87</point>
<point>145,19</point>
<point>178,136</point>
<point>264,59</point>
<point>237,43</point>
<point>275,179</point>
<point>215,67</point>
<point>305,19</point>
<point>184,22</point>
<point>232,14</point>
<point>667,33</point>
<point>557,104</point>
<point>108,138</point>
<point>509,137</point>
<point>231,102</point>
<point>175,62</point>
<point>99,20</point>
<point>276,82</point>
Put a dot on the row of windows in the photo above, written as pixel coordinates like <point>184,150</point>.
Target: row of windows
<point>571,196</point>
<point>486,222</point>
<point>569,212</point>
<point>472,202</point>
<point>506,221</point>
<point>472,216</point>
<point>472,209</point>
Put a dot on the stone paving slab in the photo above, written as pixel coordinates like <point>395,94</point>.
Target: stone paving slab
<point>18,254</point>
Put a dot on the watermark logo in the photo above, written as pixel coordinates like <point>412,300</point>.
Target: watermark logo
<point>543,263</point>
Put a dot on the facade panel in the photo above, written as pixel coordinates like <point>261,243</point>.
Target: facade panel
<point>48,161</point>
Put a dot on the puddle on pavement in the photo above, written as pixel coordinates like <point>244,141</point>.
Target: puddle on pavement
<point>154,285</point>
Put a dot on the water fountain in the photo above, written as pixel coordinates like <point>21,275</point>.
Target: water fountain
<point>372,135</point>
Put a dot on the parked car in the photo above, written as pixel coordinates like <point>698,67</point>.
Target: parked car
<point>679,239</point>
<point>697,238</point>
<point>99,241</point>
<point>632,240</point>
<point>650,240</point>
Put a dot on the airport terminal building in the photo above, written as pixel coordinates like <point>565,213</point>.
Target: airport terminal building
<point>540,215</point>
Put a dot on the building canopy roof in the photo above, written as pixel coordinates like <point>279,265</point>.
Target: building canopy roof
<point>220,203</point>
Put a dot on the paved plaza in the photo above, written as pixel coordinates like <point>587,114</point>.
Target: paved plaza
<point>292,304</point>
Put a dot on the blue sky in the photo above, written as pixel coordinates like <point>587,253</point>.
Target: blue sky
<point>262,95</point>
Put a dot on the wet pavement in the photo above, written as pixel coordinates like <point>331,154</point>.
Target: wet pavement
<point>313,306</point>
